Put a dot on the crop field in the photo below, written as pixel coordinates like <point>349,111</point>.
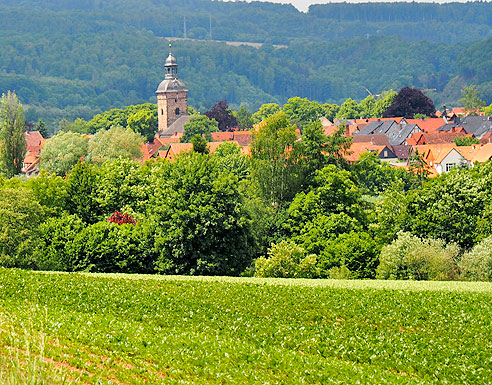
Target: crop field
<point>122,329</point>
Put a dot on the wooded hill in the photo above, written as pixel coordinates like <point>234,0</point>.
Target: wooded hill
<point>70,60</point>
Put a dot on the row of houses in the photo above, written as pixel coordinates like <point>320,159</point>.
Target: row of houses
<point>394,140</point>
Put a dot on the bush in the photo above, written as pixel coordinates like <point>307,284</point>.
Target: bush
<point>107,247</point>
<point>20,215</point>
<point>476,265</point>
<point>355,251</point>
<point>341,272</point>
<point>286,260</point>
<point>410,257</point>
<point>56,236</point>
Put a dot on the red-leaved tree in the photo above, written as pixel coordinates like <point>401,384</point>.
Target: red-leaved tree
<point>120,218</point>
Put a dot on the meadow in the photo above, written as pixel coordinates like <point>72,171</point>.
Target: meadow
<point>130,329</point>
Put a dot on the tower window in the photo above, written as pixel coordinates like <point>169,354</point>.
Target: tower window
<point>162,111</point>
<point>177,111</point>
<point>176,100</point>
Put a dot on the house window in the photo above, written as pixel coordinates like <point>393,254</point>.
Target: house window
<point>385,153</point>
<point>449,166</point>
<point>177,111</point>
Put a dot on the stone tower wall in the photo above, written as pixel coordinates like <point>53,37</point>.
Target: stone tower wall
<point>167,103</point>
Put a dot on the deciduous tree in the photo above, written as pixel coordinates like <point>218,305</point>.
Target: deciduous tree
<point>349,110</point>
<point>62,152</point>
<point>20,216</point>
<point>274,163</point>
<point>12,135</point>
<point>115,143</point>
<point>223,115</point>
<point>199,125</point>
<point>202,225</point>
<point>244,118</point>
<point>471,100</point>
<point>408,102</point>
<point>265,111</point>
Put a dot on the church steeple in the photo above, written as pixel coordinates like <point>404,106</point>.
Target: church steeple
<point>172,95</point>
<point>171,66</point>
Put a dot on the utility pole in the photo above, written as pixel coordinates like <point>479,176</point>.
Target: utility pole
<point>210,26</point>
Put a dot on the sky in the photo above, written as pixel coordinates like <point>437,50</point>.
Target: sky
<point>303,5</point>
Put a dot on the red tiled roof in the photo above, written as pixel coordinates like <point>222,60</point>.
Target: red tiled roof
<point>34,141</point>
<point>149,150</point>
<point>486,138</point>
<point>220,136</point>
<point>429,125</point>
<point>356,149</point>
<point>31,157</point>
<point>243,138</point>
<point>31,161</point>
<point>483,154</point>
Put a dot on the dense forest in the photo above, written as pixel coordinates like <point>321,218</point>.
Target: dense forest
<point>69,60</point>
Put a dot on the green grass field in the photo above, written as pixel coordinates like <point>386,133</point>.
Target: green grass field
<point>121,329</point>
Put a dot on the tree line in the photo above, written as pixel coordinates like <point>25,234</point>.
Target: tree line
<point>276,23</point>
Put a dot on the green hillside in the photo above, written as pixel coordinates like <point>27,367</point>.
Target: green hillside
<point>105,329</point>
<point>75,60</point>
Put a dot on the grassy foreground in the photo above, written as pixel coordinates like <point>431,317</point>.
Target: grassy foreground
<point>120,329</point>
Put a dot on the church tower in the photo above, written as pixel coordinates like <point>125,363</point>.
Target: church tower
<point>172,95</point>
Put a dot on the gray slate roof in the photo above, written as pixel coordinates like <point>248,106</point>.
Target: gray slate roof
<point>399,133</point>
<point>448,127</point>
<point>171,85</point>
<point>370,128</point>
<point>477,125</point>
<point>176,128</point>
<point>396,133</point>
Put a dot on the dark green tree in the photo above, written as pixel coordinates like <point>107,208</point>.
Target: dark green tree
<point>81,191</point>
<point>203,228</point>
<point>453,219</point>
<point>312,151</point>
<point>41,127</point>
<point>199,125</point>
<point>337,147</point>
<point>373,176</point>
<point>200,144</point>
<point>244,118</point>
<point>20,216</point>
